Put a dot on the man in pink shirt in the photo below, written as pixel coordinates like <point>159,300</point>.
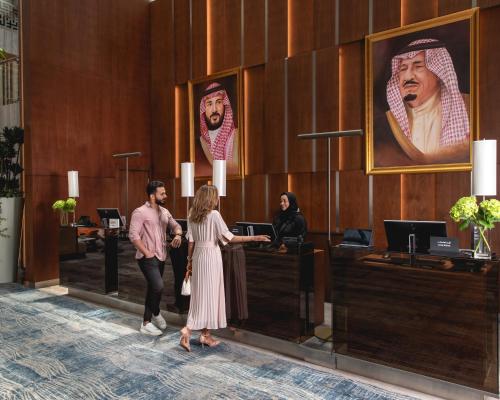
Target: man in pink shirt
<point>148,233</point>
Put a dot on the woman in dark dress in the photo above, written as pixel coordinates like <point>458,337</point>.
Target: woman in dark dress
<point>289,222</point>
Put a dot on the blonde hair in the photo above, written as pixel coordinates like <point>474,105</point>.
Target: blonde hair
<point>205,200</point>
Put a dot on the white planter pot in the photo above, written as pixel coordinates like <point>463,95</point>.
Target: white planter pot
<point>12,208</point>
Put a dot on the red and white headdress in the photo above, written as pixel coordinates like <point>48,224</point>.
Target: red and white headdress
<point>222,148</point>
<point>455,121</point>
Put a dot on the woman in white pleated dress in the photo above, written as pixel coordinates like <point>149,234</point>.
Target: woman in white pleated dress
<point>206,229</point>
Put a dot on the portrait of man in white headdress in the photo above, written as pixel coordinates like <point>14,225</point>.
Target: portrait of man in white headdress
<point>420,93</point>
<point>216,133</point>
<point>428,114</point>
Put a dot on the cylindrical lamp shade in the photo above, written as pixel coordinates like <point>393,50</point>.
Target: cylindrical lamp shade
<point>73,184</point>
<point>219,176</point>
<point>484,168</point>
<point>187,179</point>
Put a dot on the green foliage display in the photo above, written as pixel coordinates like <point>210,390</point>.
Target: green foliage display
<point>466,211</point>
<point>11,141</point>
<point>67,205</point>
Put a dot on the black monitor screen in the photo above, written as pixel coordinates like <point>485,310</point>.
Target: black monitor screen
<point>397,233</point>
<point>108,213</point>
<point>257,228</point>
<point>183,223</point>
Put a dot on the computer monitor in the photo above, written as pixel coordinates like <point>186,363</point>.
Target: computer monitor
<point>258,228</point>
<point>397,232</point>
<point>183,223</point>
<point>105,214</point>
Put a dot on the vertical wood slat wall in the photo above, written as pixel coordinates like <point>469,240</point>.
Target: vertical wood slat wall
<point>284,48</point>
<point>86,78</point>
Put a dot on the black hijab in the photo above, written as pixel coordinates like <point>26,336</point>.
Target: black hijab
<point>292,209</point>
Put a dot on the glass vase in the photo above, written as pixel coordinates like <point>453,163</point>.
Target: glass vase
<point>482,246</point>
<point>63,218</point>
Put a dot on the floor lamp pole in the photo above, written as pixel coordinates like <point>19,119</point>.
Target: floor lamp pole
<point>126,156</point>
<point>328,136</point>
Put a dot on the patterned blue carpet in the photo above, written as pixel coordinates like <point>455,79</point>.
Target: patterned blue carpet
<point>56,347</point>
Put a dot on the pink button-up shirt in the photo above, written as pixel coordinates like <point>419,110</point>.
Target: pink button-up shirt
<point>151,226</point>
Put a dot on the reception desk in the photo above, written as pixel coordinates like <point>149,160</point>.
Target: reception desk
<point>89,257</point>
<point>433,316</point>
<point>284,300</point>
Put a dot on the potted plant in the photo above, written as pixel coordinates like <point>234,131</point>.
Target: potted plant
<point>65,207</point>
<point>11,200</point>
<point>483,217</point>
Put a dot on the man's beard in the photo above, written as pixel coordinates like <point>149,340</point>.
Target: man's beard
<point>210,125</point>
<point>159,202</point>
<point>410,97</point>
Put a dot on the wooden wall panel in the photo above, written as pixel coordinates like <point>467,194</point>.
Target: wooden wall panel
<point>277,29</point>
<point>299,112</point>
<point>199,38</point>
<point>418,197</point>
<point>254,37</point>
<point>324,23</point>
<point>311,191</point>
<point>274,114</point>
<point>451,6</point>
<point>182,42</point>
<point>327,105</point>
<point>278,183</point>
<point>416,11</point>
<point>215,36</point>
<point>489,84</point>
<point>449,188</point>
<point>162,89</point>
<point>232,33</point>
<point>353,199</point>
<point>301,27</point>
<point>181,126</point>
<point>386,15</point>
<point>90,97</point>
<point>254,120</point>
<point>223,34</point>
<point>255,199</point>
<point>352,105</point>
<point>231,205</point>
<point>487,3</point>
<point>353,20</point>
<point>386,204</point>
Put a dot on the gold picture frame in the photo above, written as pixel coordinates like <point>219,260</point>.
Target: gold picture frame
<point>411,127</point>
<point>226,139</point>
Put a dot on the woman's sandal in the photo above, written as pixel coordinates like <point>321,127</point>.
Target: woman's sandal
<point>185,334</point>
<point>208,340</point>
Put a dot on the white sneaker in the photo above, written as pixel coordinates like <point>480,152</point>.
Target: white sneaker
<point>159,321</point>
<point>150,329</point>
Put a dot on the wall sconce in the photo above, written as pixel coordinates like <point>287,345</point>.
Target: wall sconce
<point>73,190</point>
<point>219,176</point>
<point>484,168</point>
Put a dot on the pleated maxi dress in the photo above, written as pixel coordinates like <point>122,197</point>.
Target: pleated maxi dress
<point>208,307</point>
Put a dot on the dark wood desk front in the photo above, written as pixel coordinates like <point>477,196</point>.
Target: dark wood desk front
<point>430,319</point>
<point>281,293</point>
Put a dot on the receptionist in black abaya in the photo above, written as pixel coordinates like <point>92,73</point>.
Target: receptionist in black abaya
<point>289,222</point>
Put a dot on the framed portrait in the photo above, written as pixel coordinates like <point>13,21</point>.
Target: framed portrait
<point>216,128</point>
<point>421,94</point>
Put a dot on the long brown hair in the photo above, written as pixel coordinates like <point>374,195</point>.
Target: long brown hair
<point>205,200</point>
